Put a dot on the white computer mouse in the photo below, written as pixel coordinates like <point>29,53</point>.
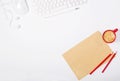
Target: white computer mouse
<point>20,7</point>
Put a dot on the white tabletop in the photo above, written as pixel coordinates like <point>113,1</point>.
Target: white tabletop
<point>33,52</point>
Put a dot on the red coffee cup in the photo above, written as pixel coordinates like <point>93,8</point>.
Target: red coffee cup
<point>109,36</point>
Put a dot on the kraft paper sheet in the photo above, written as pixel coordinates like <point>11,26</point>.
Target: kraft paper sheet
<point>86,55</point>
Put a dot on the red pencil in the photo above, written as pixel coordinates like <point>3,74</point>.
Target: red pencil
<point>108,62</point>
<point>100,64</point>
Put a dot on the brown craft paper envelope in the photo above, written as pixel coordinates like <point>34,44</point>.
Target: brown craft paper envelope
<point>86,55</point>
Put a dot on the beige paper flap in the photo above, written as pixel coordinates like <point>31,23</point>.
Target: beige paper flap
<point>85,56</point>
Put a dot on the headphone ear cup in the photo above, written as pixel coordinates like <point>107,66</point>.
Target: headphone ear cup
<point>20,7</point>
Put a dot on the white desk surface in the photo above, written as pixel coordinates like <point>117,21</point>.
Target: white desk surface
<point>34,51</point>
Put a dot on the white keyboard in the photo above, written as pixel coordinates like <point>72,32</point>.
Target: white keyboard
<point>53,7</point>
